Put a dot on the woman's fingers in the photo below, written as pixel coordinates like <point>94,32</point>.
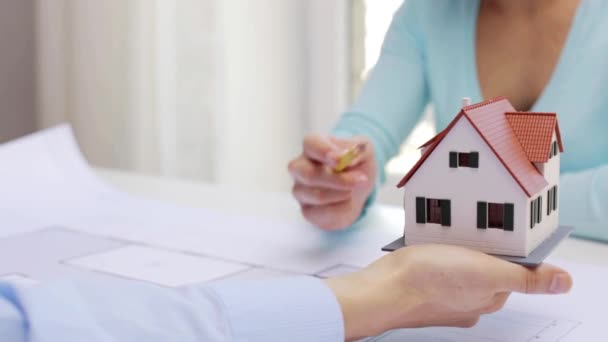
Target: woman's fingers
<point>313,174</point>
<point>360,142</point>
<point>310,195</point>
<point>329,199</point>
<point>320,148</point>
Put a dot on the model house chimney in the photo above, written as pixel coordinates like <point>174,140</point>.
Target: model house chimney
<point>466,101</point>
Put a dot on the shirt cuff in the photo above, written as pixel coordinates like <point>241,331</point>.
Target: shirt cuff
<point>289,309</point>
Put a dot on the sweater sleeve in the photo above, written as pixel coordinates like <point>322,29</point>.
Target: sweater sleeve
<point>395,93</point>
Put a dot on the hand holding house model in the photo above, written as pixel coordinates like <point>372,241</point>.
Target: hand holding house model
<point>490,182</point>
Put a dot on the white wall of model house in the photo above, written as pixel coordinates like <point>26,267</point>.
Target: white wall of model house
<point>549,223</point>
<point>464,187</point>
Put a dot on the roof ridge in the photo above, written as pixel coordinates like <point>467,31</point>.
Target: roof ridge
<point>432,140</point>
<point>532,113</point>
<point>484,103</point>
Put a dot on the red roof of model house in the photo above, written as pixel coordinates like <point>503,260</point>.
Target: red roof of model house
<point>517,139</point>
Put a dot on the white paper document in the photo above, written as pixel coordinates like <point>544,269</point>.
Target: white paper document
<point>504,326</point>
<point>47,184</point>
<point>157,266</point>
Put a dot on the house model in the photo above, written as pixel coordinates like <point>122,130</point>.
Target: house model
<point>489,181</point>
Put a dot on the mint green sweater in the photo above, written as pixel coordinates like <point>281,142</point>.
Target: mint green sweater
<point>429,57</point>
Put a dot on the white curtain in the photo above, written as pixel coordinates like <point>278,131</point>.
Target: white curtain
<point>216,90</point>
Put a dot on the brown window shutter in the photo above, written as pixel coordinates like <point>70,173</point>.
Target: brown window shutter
<point>549,202</point>
<point>453,160</point>
<point>509,216</point>
<point>482,215</point>
<point>532,216</point>
<point>446,213</point>
<point>420,210</point>
<point>555,197</point>
<point>474,160</point>
<point>539,207</point>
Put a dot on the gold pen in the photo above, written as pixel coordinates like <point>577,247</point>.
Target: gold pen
<point>349,156</point>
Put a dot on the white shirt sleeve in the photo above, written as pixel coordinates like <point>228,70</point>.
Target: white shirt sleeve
<point>290,309</point>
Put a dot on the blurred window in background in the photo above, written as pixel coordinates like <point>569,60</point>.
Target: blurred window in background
<point>196,89</point>
<point>370,22</point>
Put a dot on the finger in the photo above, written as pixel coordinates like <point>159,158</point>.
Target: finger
<point>308,195</point>
<point>329,217</point>
<point>318,148</point>
<point>544,279</point>
<point>314,175</point>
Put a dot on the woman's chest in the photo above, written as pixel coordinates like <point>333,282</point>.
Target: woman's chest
<point>517,61</point>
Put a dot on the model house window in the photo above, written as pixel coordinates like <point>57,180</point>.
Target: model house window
<point>431,210</point>
<point>555,148</point>
<point>495,215</point>
<point>464,159</point>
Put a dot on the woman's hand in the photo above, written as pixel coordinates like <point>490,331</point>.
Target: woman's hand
<point>435,285</point>
<point>332,200</point>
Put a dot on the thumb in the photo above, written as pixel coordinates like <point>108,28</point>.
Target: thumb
<point>544,279</point>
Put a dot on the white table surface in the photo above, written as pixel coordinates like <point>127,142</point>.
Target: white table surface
<point>281,205</point>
